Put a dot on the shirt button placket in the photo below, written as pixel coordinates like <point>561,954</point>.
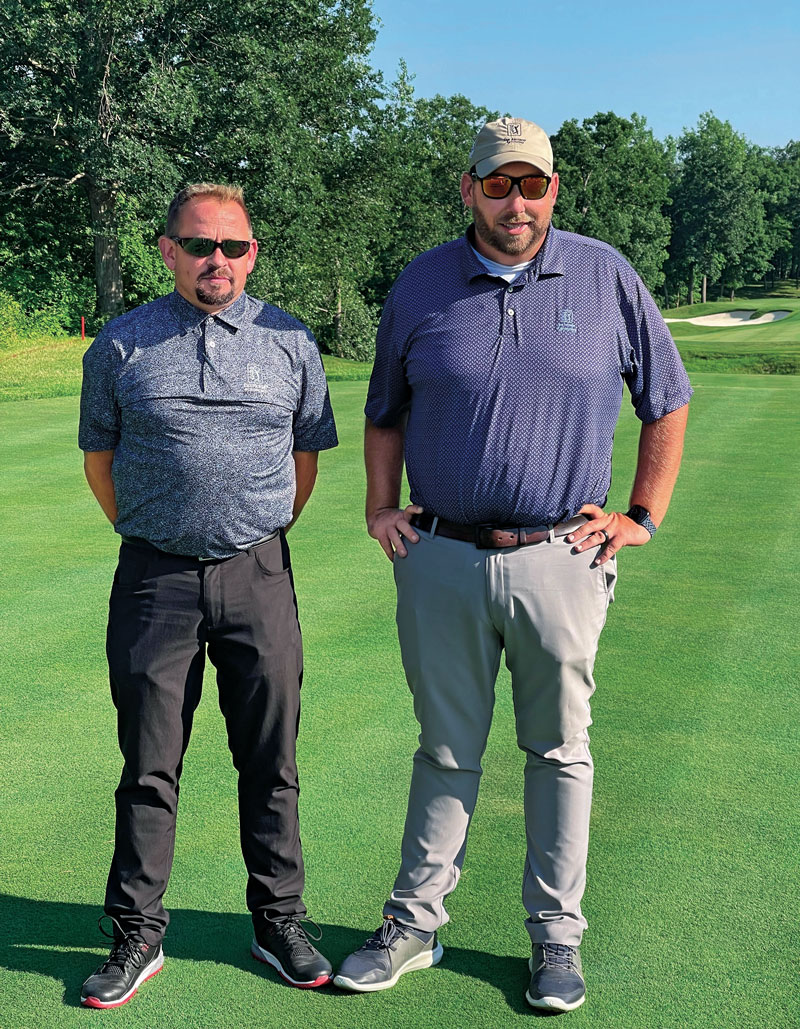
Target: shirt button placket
<point>213,352</point>
<point>511,311</point>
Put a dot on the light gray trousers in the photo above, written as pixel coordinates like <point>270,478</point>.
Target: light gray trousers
<point>458,608</point>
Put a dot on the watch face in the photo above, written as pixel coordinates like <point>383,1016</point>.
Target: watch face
<point>641,516</point>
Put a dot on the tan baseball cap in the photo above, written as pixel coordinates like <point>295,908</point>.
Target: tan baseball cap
<point>510,139</point>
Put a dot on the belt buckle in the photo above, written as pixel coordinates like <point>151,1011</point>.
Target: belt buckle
<point>484,527</point>
<point>478,538</point>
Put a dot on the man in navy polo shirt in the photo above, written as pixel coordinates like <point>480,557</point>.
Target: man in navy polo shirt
<point>499,375</point>
<point>202,415</point>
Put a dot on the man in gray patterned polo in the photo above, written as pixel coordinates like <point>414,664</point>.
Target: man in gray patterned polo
<point>202,414</point>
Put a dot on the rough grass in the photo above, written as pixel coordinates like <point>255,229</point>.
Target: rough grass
<point>46,367</point>
<point>49,367</point>
<point>693,886</point>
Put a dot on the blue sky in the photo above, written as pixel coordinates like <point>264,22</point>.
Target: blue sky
<point>553,61</point>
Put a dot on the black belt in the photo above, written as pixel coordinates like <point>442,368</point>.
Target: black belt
<point>489,537</point>
<point>137,541</point>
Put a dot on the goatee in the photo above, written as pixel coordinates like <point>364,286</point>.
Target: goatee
<point>213,295</point>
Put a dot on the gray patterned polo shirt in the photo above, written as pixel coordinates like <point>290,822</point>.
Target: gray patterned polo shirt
<point>203,413</point>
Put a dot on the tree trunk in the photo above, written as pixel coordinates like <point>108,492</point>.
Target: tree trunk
<point>690,298</point>
<point>337,317</point>
<point>733,293</point>
<point>107,269</point>
<point>705,287</point>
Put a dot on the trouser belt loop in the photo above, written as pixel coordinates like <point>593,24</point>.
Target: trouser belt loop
<point>552,532</point>
<point>425,523</point>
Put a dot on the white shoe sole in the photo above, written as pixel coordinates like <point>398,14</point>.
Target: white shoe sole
<point>426,959</point>
<point>551,1003</point>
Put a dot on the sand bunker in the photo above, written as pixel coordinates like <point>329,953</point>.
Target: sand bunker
<point>731,318</point>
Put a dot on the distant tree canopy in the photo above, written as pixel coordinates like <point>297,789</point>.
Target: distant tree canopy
<point>106,109</point>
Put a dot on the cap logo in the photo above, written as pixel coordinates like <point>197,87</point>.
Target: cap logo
<point>515,129</point>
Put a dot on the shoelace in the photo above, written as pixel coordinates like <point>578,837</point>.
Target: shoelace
<point>384,938</point>
<point>558,955</point>
<point>126,950</point>
<point>295,936</point>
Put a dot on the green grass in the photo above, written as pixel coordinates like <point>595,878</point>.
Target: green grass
<point>761,349</point>
<point>693,888</point>
<point>39,368</point>
<point>339,369</point>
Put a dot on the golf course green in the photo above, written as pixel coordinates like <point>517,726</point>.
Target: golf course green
<point>693,887</point>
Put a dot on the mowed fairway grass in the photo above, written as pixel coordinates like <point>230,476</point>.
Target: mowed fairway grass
<point>767,348</point>
<point>693,888</point>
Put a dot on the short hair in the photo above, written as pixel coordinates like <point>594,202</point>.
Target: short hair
<point>216,191</point>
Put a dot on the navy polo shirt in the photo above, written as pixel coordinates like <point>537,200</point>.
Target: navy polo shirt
<point>513,391</point>
<point>203,413</point>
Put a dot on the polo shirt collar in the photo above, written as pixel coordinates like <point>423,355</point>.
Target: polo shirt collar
<point>189,317</point>
<point>551,259</point>
<point>548,261</point>
<point>235,314</point>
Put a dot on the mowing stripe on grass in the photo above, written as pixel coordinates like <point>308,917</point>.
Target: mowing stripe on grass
<point>692,889</point>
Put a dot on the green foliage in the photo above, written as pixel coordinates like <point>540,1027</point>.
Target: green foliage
<point>138,98</point>
<point>719,228</point>
<point>778,176</point>
<point>12,322</point>
<point>614,178</point>
<point>42,261</point>
<point>106,109</point>
<point>18,325</point>
<point>417,150</point>
<point>144,274</point>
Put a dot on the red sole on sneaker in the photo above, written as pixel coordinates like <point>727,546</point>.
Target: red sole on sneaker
<point>321,980</point>
<point>93,1002</point>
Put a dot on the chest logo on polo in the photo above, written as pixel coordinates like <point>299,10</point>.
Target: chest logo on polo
<point>253,379</point>
<point>566,321</point>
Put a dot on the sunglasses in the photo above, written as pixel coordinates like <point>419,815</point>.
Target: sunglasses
<point>199,246</point>
<point>496,187</point>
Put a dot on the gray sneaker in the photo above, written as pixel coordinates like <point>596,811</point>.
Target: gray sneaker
<point>556,981</point>
<point>391,950</point>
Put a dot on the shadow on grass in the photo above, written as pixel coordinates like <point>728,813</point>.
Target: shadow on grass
<point>61,941</point>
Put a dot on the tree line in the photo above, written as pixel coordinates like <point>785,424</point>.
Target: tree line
<point>107,109</point>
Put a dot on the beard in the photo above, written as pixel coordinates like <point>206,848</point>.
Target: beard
<point>514,246</point>
<point>213,295</point>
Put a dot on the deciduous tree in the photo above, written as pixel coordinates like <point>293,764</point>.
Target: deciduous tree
<point>614,177</point>
<point>137,98</point>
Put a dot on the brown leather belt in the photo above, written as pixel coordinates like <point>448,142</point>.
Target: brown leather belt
<point>489,537</point>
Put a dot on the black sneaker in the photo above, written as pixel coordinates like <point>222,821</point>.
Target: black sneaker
<point>284,944</point>
<point>130,963</point>
<point>556,983</point>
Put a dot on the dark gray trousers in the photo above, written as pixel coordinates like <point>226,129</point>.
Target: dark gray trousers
<point>165,611</point>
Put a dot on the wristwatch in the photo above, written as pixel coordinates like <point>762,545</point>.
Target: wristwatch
<point>641,516</point>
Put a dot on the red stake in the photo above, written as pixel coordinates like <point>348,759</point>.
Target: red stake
<point>83,328</point>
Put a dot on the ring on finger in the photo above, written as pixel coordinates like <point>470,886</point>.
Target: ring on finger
<point>604,534</point>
